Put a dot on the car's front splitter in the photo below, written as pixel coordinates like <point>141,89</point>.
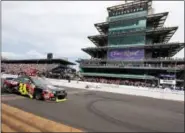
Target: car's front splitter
<point>56,100</point>
<point>61,100</point>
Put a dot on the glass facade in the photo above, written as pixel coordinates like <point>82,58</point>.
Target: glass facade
<point>128,22</point>
<point>128,25</point>
<point>132,39</point>
<point>128,16</point>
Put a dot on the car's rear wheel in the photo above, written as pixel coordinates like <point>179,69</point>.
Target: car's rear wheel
<point>7,89</point>
<point>38,96</point>
<point>3,89</point>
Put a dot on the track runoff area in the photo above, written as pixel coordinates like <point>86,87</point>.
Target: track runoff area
<point>87,110</point>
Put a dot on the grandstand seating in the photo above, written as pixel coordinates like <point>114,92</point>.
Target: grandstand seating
<point>11,68</point>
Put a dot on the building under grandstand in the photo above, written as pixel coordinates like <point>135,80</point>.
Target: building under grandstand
<point>55,68</point>
<point>134,45</point>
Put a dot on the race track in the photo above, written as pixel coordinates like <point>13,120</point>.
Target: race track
<point>107,112</point>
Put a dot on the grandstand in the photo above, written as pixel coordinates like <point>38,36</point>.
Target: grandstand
<point>134,46</point>
<point>55,68</point>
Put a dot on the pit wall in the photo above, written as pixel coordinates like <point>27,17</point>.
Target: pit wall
<point>121,89</point>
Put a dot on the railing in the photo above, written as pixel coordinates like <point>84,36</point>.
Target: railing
<point>165,59</point>
<point>139,29</point>
<point>162,43</point>
<point>146,59</point>
<point>134,66</point>
<point>121,45</point>
<point>162,28</point>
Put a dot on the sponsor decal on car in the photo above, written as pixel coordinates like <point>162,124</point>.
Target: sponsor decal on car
<point>60,100</point>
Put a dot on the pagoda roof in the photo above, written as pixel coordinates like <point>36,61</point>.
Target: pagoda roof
<point>130,5</point>
<point>102,27</point>
<point>172,48</point>
<point>158,20</point>
<point>98,40</point>
<point>163,34</point>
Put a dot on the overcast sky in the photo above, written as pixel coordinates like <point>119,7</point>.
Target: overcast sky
<point>32,29</point>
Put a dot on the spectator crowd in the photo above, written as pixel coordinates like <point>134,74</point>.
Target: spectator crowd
<point>144,83</point>
<point>123,64</point>
<point>121,82</point>
<point>65,73</point>
<point>18,68</point>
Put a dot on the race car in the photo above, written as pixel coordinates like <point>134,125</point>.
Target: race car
<point>34,87</point>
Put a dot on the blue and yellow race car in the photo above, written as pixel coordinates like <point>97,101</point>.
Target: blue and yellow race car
<point>35,87</point>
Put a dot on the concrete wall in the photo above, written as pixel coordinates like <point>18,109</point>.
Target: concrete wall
<point>122,89</point>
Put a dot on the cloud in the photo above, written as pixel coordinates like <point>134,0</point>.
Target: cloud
<point>58,27</point>
<point>35,28</point>
<point>10,55</point>
<point>32,54</point>
<point>35,54</point>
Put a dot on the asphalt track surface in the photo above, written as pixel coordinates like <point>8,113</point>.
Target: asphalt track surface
<point>107,112</point>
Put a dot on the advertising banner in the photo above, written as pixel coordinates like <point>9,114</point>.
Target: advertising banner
<point>126,54</point>
<point>170,82</point>
<point>167,75</point>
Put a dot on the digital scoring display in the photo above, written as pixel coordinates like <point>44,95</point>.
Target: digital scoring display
<point>126,54</point>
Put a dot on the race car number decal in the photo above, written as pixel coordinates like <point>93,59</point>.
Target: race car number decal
<point>22,89</point>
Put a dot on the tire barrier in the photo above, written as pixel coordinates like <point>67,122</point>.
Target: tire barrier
<point>16,120</point>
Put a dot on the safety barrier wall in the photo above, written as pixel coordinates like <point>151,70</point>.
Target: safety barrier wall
<point>122,89</point>
<point>8,75</point>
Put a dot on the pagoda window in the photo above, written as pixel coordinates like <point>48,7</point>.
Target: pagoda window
<point>132,39</point>
<point>126,25</point>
